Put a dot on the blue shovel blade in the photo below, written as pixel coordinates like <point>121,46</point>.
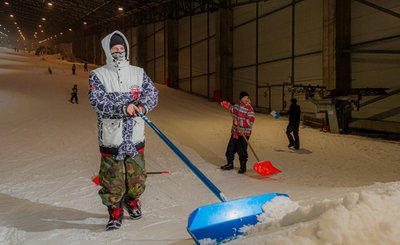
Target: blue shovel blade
<point>221,221</point>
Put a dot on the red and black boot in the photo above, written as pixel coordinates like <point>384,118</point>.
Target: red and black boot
<point>115,221</point>
<point>133,207</point>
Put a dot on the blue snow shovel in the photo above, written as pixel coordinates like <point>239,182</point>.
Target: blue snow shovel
<point>220,222</point>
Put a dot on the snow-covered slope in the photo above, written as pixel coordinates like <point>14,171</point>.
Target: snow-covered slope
<point>49,152</point>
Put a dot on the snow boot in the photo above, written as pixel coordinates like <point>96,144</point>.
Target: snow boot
<point>115,220</point>
<point>228,166</point>
<point>242,169</point>
<point>133,207</point>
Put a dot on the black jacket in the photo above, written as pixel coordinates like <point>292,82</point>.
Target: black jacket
<point>294,113</point>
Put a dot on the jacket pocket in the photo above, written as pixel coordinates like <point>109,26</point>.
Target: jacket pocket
<point>138,131</point>
<point>112,132</point>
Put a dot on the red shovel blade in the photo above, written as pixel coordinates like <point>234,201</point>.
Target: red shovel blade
<point>265,168</point>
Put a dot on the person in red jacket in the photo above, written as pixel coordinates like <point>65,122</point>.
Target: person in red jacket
<point>242,124</point>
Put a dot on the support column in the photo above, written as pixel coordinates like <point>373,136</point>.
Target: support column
<point>141,46</point>
<point>172,59</point>
<point>223,55</point>
<point>336,38</point>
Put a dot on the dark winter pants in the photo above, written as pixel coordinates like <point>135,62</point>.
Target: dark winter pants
<point>238,146</point>
<point>121,179</point>
<point>293,128</point>
<point>73,71</point>
<point>74,96</point>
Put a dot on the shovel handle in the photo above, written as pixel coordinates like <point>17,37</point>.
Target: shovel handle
<point>188,163</point>
<point>254,152</point>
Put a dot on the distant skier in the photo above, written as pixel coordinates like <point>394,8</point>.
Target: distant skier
<point>74,94</point>
<point>73,69</point>
<point>117,92</point>
<point>294,113</point>
<point>243,120</point>
<point>85,66</point>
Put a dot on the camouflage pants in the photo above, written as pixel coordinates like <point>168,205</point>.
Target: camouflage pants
<point>121,179</point>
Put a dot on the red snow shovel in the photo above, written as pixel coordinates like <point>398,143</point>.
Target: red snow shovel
<point>264,168</point>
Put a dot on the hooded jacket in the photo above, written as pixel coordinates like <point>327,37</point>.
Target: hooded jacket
<point>112,88</point>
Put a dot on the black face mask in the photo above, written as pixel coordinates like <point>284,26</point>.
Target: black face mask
<point>119,56</point>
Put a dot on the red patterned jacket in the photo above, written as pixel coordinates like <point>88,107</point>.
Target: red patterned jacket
<point>243,119</point>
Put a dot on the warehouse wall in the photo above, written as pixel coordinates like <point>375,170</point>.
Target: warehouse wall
<point>197,54</point>
<point>371,69</point>
<point>275,45</point>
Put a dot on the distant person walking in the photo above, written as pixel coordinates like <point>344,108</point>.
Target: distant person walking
<point>73,69</point>
<point>50,71</point>
<point>85,66</point>
<point>74,94</point>
<point>294,113</point>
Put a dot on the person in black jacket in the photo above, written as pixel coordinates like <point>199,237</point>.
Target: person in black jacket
<point>74,94</point>
<point>73,69</point>
<point>294,124</point>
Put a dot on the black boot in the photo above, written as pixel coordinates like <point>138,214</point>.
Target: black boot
<point>228,166</point>
<point>242,169</point>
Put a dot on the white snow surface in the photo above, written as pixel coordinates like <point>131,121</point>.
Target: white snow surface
<point>343,189</point>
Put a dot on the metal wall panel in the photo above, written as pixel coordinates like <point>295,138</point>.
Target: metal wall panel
<point>244,80</point>
<point>244,45</point>
<point>199,58</point>
<point>275,35</point>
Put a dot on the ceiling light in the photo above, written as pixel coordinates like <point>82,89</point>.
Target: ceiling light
<point>120,8</point>
<point>50,3</point>
<point>40,25</point>
<point>41,30</point>
<point>6,3</point>
<point>11,15</point>
<point>69,29</point>
<point>85,23</point>
<point>43,19</point>
<point>61,33</point>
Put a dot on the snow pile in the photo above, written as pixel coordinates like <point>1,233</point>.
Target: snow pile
<point>365,217</point>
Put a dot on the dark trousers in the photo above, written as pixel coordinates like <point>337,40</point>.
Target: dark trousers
<point>73,71</point>
<point>238,146</point>
<point>74,97</point>
<point>293,128</point>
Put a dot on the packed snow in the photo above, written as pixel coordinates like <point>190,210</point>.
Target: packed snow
<point>343,189</point>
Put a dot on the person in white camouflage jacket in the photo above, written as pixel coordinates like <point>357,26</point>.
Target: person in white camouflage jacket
<point>117,92</point>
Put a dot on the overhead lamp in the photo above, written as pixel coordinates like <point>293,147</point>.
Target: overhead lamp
<point>50,4</point>
<point>11,15</point>
<point>85,23</point>
<point>41,30</point>
<point>120,8</point>
<point>40,25</point>
<point>15,23</point>
<point>43,19</point>
<point>61,33</point>
<point>6,3</point>
<point>69,29</point>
